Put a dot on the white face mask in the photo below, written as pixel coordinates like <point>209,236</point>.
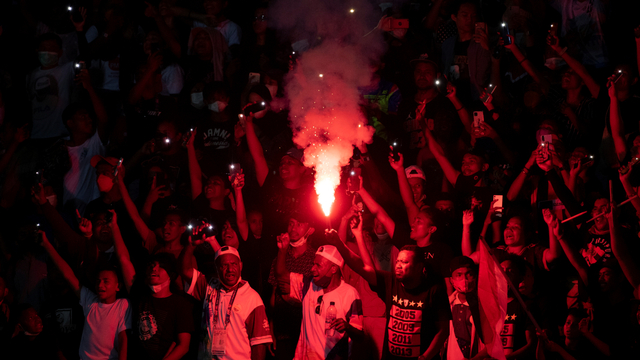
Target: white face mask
<point>157,288</point>
<point>302,240</point>
<point>197,100</point>
<point>53,200</point>
<point>463,285</point>
<point>217,106</point>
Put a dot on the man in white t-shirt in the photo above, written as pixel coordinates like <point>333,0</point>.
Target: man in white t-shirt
<point>322,335</point>
<point>234,323</point>
<point>87,139</point>
<point>49,87</point>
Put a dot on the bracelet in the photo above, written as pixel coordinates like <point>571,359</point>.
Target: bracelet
<point>461,107</point>
<point>525,170</point>
<point>523,60</point>
<point>563,51</point>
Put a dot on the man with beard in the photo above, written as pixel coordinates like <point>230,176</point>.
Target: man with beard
<point>331,309</point>
<point>234,322</point>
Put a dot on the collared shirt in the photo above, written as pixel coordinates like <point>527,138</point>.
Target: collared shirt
<point>248,325</point>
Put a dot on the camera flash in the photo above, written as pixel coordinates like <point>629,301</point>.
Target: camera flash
<point>232,166</point>
<point>590,156</point>
<point>293,52</point>
<point>38,225</point>
<point>190,226</point>
<point>191,129</point>
<point>395,144</point>
<point>551,25</point>
<point>353,173</point>
<point>437,82</point>
<point>263,104</point>
<point>69,8</point>
<point>352,11</point>
<point>619,71</point>
<point>503,24</point>
<point>321,75</point>
<point>167,140</point>
<point>210,227</point>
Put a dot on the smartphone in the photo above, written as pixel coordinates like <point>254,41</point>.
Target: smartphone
<point>631,163</point>
<point>544,151</point>
<point>202,226</point>
<point>79,66</point>
<point>115,171</point>
<point>241,119</point>
<point>488,91</point>
<point>498,204</point>
<point>504,32</point>
<point>39,177</point>
<point>548,140</point>
<point>254,78</point>
<point>396,144</point>
<point>162,180</point>
<point>395,24</point>
<point>234,170</point>
<point>75,13</point>
<point>254,108</point>
<point>553,29</point>
<point>481,26</point>
<point>354,174</point>
<point>187,137</point>
<point>617,75</point>
<point>587,159</point>
<point>478,117</point>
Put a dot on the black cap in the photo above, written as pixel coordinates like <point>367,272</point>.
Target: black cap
<point>461,261</point>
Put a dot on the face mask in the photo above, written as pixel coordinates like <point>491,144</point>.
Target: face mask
<point>302,240</point>
<point>30,334</point>
<point>53,200</point>
<point>273,89</point>
<point>48,59</point>
<point>105,183</point>
<point>300,46</point>
<point>157,288</point>
<point>217,106</point>
<point>463,285</point>
<point>382,237</point>
<point>197,100</point>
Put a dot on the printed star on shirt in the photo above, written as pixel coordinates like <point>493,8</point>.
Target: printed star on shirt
<point>399,301</point>
<point>395,298</point>
<point>506,318</point>
<point>412,303</point>
<point>513,317</point>
<point>419,304</point>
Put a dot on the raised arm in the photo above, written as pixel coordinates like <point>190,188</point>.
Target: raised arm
<point>378,211</point>
<point>98,106</point>
<point>574,256</point>
<point>283,276</point>
<point>241,212</point>
<point>517,184</point>
<point>617,126</point>
<point>61,229</point>
<point>195,173</point>
<point>152,12</point>
<point>405,188</point>
<point>186,260</point>
<point>62,265</point>
<point>153,63</point>
<point>368,268</point>
<point>625,178</point>
<point>463,112</point>
<point>147,235</point>
<point>574,64</point>
<point>467,249</point>
<point>255,148</point>
<point>553,252</point>
<point>523,60</point>
<point>128,271</point>
<point>449,171</point>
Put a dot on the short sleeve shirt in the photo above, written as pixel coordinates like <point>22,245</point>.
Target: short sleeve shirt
<point>248,325</point>
<point>314,340</point>
<point>103,323</point>
<point>412,315</point>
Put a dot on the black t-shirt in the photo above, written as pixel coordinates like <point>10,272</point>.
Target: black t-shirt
<point>515,326</point>
<point>216,140</point>
<point>43,347</point>
<point>65,319</point>
<point>157,323</point>
<point>412,315</point>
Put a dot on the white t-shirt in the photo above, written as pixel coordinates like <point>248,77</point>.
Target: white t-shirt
<point>102,324</point>
<point>231,31</point>
<point>248,325</point>
<point>172,80</point>
<point>49,92</point>
<point>313,343</point>
<point>80,181</point>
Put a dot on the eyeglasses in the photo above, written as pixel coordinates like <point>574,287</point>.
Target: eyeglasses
<point>260,18</point>
<point>319,304</point>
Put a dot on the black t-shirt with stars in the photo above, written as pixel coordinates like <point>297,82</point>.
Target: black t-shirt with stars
<point>412,315</point>
<point>516,323</point>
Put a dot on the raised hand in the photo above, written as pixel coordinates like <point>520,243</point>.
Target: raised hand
<point>332,237</point>
<point>114,218</point>
<point>283,241</point>
<point>80,25</point>
<point>84,79</point>
<point>156,192</point>
<point>467,217</point>
<point>396,165</point>
<point>84,225</point>
<point>548,216</point>
<point>238,182</point>
<point>356,228</point>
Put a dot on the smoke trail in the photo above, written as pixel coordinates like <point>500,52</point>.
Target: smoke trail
<point>323,87</point>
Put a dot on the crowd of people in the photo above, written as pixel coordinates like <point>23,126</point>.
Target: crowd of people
<point>155,205</point>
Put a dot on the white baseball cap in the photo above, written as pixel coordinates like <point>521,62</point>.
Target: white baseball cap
<point>331,253</point>
<point>227,250</point>
<point>414,171</point>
